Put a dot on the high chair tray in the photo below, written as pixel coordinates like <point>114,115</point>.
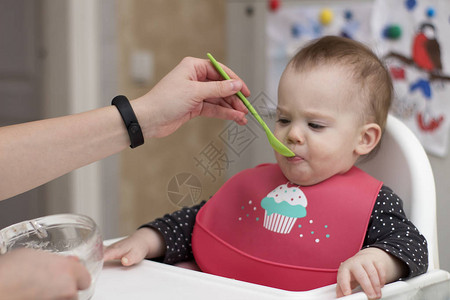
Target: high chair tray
<point>153,280</point>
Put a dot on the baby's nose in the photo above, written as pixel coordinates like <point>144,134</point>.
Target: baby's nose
<point>296,136</point>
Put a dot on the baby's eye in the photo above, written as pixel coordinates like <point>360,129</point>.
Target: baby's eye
<point>315,126</point>
<point>283,121</point>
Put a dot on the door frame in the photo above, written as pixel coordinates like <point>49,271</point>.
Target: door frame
<point>74,81</point>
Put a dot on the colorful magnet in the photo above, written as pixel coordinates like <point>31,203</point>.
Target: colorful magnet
<point>326,16</point>
<point>430,12</point>
<point>392,32</point>
<point>274,5</point>
<point>296,30</point>
<point>348,15</point>
<point>410,4</point>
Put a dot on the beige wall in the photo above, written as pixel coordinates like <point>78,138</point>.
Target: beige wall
<point>170,30</point>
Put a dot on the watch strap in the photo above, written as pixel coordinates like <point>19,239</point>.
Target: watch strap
<point>129,118</point>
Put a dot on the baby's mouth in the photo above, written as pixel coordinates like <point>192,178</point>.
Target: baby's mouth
<point>295,158</point>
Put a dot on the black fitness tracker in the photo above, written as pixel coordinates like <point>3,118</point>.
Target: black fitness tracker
<point>129,118</point>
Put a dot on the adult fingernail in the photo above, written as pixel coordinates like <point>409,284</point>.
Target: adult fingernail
<point>124,261</point>
<point>236,85</point>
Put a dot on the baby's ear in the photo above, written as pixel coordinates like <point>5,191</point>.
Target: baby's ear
<point>369,137</point>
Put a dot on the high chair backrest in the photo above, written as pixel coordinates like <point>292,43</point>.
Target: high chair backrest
<point>402,164</point>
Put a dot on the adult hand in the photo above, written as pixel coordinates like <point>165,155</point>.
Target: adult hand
<point>34,274</point>
<point>193,88</point>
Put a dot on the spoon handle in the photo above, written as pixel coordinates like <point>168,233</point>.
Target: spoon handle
<point>239,94</point>
<point>252,110</point>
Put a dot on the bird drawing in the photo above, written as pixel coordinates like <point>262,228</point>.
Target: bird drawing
<point>426,52</point>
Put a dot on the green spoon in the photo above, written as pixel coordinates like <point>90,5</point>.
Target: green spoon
<point>274,142</point>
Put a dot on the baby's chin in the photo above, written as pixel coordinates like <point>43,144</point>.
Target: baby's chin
<point>299,174</point>
<point>303,181</point>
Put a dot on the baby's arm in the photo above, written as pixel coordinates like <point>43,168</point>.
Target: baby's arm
<point>371,268</point>
<point>143,243</point>
<point>392,234</point>
<point>168,238</point>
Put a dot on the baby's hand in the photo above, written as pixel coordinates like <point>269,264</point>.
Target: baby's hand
<point>144,243</point>
<point>368,268</point>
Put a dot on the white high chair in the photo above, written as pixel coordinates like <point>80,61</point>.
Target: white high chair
<point>401,163</point>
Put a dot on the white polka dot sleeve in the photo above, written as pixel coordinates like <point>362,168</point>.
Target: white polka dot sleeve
<point>176,229</point>
<point>391,231</point>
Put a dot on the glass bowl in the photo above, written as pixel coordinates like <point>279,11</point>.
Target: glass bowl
<point>65,234</point>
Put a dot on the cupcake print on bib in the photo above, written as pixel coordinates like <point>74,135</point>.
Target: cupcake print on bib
<point>283,206</point>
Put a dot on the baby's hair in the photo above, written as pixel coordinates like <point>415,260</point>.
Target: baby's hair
<point>373,81</point>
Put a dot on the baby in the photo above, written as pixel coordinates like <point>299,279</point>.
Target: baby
<point>315,213</point>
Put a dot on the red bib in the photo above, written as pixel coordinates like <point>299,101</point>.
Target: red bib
<point>262,229</point>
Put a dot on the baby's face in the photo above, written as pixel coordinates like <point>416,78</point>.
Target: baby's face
<point>319,122</point>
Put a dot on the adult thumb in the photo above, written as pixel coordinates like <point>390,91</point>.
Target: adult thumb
<point>82,276</point>
<point>219,89</point>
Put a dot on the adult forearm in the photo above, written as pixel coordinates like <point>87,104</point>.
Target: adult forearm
<point>34,153</point>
